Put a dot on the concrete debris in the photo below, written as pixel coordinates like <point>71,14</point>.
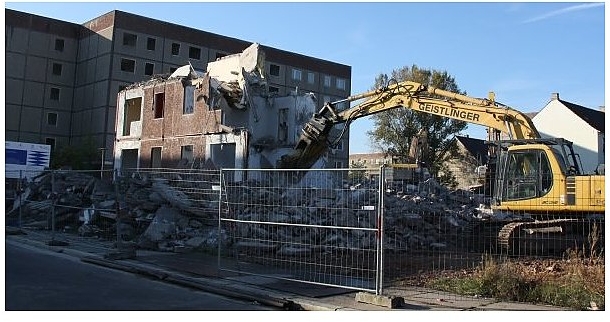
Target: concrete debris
<point>162,214</point>
<point>432,217</point>
<point>174,197</point>
<point>153,210</point>
<point>186,71</point>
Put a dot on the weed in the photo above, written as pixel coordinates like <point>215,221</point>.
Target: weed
<point>575,282</point>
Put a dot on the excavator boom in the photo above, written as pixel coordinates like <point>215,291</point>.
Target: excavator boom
<point>314,140</point>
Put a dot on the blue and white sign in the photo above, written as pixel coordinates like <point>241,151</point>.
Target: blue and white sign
<point>26,159</point>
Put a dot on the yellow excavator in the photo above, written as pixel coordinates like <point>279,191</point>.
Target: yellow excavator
<point>527,174</point>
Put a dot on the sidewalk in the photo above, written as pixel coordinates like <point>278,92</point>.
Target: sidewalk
<point>199,271</point>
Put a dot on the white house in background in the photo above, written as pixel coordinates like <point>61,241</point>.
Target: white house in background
<point>583,126</point>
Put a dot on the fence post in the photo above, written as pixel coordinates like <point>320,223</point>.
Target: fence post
<point>121,252</point>
<point>54,199</point>
<point>53,202</point>
<point>379,289</point>
<point>119,243</point>
<point>20,195</point>
<point>220,185</point>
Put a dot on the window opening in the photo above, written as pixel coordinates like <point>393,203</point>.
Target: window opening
<point>159,105</point>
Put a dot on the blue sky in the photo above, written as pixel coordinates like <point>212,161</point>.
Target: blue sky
<point>522,51</point>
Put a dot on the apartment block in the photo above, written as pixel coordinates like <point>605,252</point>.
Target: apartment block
<point>62,79</point>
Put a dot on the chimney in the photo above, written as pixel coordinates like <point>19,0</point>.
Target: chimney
<point>554,96</point>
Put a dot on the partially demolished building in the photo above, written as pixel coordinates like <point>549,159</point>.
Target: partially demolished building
<point>223,118</point>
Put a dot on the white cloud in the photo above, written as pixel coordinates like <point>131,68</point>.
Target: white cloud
<point>564,11</point>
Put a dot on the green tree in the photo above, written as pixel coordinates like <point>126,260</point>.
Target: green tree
<point>81,157</point>
<point>358,173</point>
<point>394,129</point>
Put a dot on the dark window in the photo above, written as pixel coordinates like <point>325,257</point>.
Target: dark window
<point>128,65</point>
<point>297,74</point>
<point>274,70</point>
<point>150,43</point>
<point>57,69</point>
<point>186,153</point>
<point>54,94</point>
<point>159,105</point>
<point>311,78</point>
<point>59,44</point>
<point>194,53</point>
<point>52,119</point>
<point>187,108</point>
<point>273,89</point>
<point>129,39</point>
<point>149,69</point>
<point>155,157</point>
<point>175,49</point>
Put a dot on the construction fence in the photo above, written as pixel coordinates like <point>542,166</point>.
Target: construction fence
<point>302,225</point>
<point>334,227</point>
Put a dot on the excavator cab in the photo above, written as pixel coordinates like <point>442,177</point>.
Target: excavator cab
<point>535,175</point>
<point>527,175</point>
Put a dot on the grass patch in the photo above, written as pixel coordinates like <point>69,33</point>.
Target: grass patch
<point>576,282</point>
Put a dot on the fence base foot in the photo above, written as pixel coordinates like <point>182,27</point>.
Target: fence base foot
<point>391,302</point>
<point>14,231</point>
<point>122,254</point>
<point>54,242</point>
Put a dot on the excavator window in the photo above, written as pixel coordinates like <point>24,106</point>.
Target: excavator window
<point>528,175</point>
<point>546,174</point>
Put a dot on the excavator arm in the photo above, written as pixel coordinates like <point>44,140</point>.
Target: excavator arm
<point>314,140</point>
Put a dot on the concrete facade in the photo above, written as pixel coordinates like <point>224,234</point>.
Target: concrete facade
<point>62,79</point>
<point>372,162</point>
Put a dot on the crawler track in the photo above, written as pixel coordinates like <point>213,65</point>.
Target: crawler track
<point>548,237</point>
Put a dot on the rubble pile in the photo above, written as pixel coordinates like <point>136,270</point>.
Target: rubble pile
<point>427,217</point>
<point>163,213</point>
<point>153,213</point>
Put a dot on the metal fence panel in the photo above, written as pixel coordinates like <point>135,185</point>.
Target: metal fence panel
<point>63,201</point>
<point>156,209</point>
<point>170,209</point>
<point>311,226</point>
<point>431,228</point>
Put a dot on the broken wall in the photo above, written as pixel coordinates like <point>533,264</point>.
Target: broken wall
<point>226,115</point>
<point>463,167</point>
<point>276,134</point>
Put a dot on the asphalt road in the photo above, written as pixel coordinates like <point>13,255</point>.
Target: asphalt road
<point>38,279</point>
